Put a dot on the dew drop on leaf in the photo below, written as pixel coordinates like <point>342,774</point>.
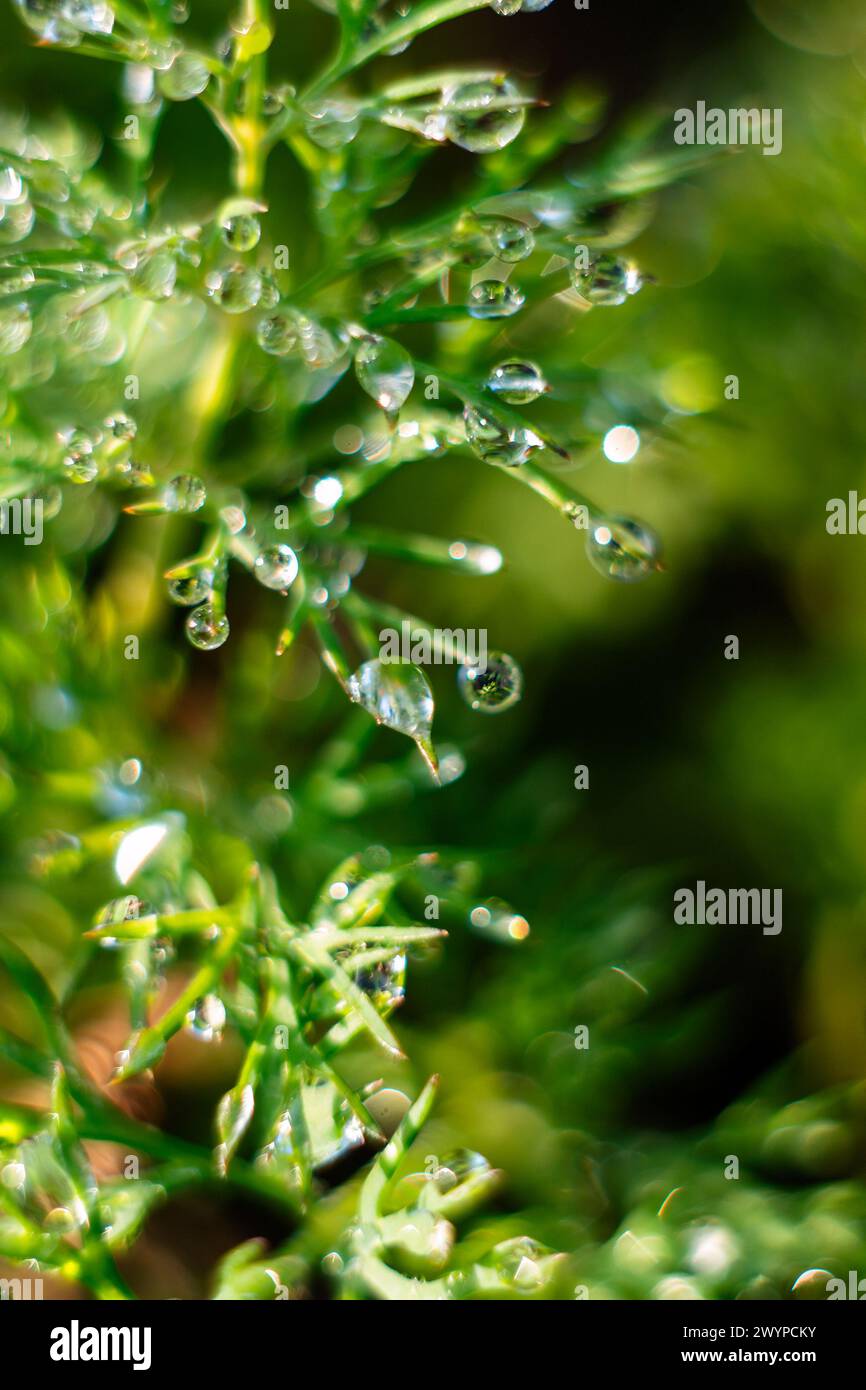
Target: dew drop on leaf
<point>608,280</point>
<point>516,382</point>
<point>397,695</point>
<point>121,426</point>
<point>207,1018</point>
<point>206,628</point>
<point>241,233</point>
<point>188,590</point>
<point>623,549</point>
<point>278,334</point>
<point>496,442</point>
<point>479,117</point>
<point>511,241</point>
<point>494,299</point>
<point>155,275</point>
<point>187,77</point>
<point>276,567</point>
<point>236,289</point>
<point>493,686</point>
<point>386,371</point>
<point>15,329</point>
<point>332,123</point>
<point>185,493</point>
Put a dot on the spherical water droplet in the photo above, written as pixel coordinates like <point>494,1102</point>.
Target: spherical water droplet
<point>492,687</point>
<point>621,548</point>
<point>16,326</point>
<point>278,335</point>
<point>236,289</point>
<point>516,382</point>
<point>241,233</point>
<point>479,117</point>
<point>385,370</point>
<point>458,1166</point>
<point>276,567</point>
<point>121,426</point>
<point>187,77</point>
<point>206,628</point>
<point>608,280</point>
<point>495,442</point>
<point>332,124</point>
<point>13,1175</point>
<point>511,241</point>
<point>78,461</point>
<point>154,277</point>
<point>207,1018</point>
<point>494,299</point>
<point>189,589</point>
<point>521,1262</point>
<point>185,493</point>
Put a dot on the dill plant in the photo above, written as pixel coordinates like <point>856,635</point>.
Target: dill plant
<point>110,314</point>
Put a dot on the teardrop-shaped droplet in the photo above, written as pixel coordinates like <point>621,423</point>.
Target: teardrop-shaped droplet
<point>276,567</point>
<point>493,685</point>
<point>185,493</point>
<point>241,233</point>
<point>187,77</point>
<point>621,548</point>
<point>206,1019</point>
<point>607,280</point>
<point>397,695</point>
<point>206,628</point>
<point>496,442</point>
<point>505,7</point>
<point>516,382</point>
<point>190,589</point>
<point>479,116</point>
<point>385,370</point>
<point>494,299</point>
<point>236,289</point>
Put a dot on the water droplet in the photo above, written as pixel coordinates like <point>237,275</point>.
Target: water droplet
<point>78,461</point>
<point>11,185</point>
<point>385,370</point>
<point>236,289</point>
<point>241,233</point>
<point>458,1166</point>
<point>189,590</point>
<point>332,123</point>
<point>522,1262</point>
<point>516,382</point>
<point>384,983</point>
<point>59,1221</point>
<point>269,297</point>
<point>121,426</point>
<point>495,442</point>
<point>279,334</point>
<point>16,326</point>
<point>494,299</point>
<point>13,1175</point>
<point>479,117</point>
<point>207,1018</point>
<point>397,695</point>
<point>621,548</point>
<point>206,628</point>
<point>608,280</point>
<point>185,493</point>
<point>492,687</point>
<point>276,567</point>
<point>155,275</point>
<point>187,77</point>
<point>811,1284</point>
<point>505,7</point>
<point>511,241</point>
<point>533,6</point>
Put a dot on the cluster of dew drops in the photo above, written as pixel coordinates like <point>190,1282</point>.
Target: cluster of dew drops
<point>480,115</point>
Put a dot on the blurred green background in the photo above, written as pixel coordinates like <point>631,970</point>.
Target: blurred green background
<point>742,773</point>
